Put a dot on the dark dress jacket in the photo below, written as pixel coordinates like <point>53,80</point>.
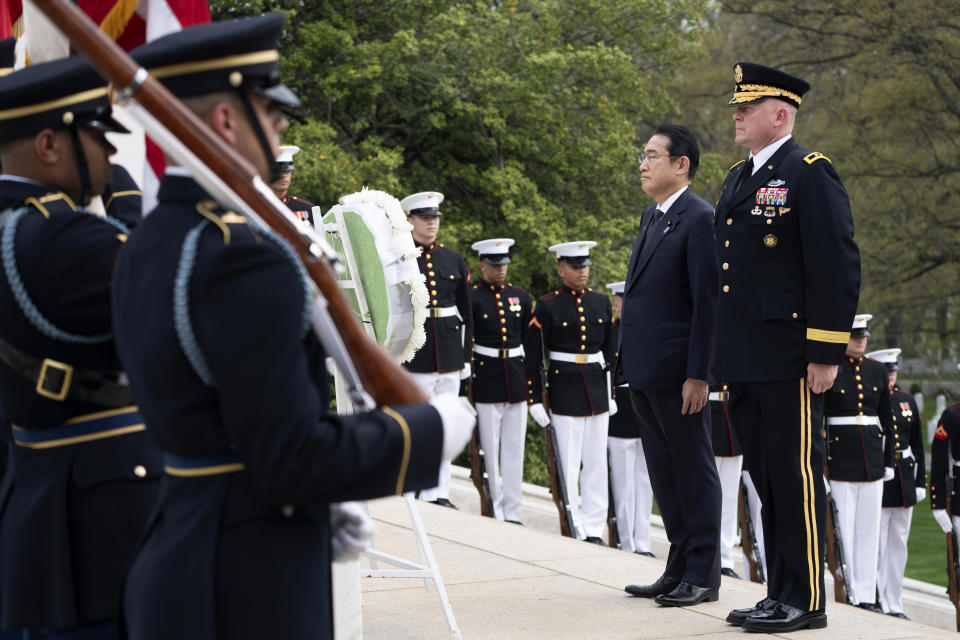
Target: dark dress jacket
<point>500,318</point>
<point>448,345</point>
<point>907,434</point>
<point>212,324</point>
<point>572,322</point>
<point>72,508</point>
<point>944,456</point>
<point>790,269</point>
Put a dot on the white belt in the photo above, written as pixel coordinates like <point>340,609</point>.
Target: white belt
<point>854,420</point>
<point>498,353</point>
<point>719,396</point>
<point>443,312</point>
<point>577,358</point>
<point>906,453</point>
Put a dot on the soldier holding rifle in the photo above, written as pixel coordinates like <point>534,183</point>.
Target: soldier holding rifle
<point>233,386</point>
<point>944,462</point>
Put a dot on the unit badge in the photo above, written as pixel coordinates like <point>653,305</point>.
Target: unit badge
<point>770,241</point>
<point>776,183</point>
<point>756,211</point>
<point>940,433</point>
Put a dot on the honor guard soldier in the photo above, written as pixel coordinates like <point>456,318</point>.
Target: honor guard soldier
<point>729,459</point>
<point>859,459</point>
<point>281,186</point>
<point>572,329</point>
<point>212,320</point>
<point>441,363</point>
<point>501,314</point>
<point>629,480</point>
<point>83,473</point>
<point>900,494</point>
<point>789,285</point>
<point>944,448</point>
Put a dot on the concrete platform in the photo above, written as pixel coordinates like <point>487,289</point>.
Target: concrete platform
<point>510,581</point>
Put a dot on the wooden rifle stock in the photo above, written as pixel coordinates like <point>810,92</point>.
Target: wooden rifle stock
<point>748,537</point>
<point>385,381</point>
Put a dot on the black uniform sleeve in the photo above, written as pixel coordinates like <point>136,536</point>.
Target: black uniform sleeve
<point>885,414</point>
<point>538,335</point>
<point>916,443</point>
<point>250,320</point>
<point>466,311</point>
<point>704,289</point>
<point>609,348</point>
<point>831,262</point>
<point>940,459</point>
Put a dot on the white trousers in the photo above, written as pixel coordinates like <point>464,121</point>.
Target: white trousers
<point>632,494</point>
<point>753,504</point>
<point>858,508</point>
<point>433,384</point>
<point>503,430</point>
<point>584,439</point>
<point>729,470</point>
<point>894,531</point>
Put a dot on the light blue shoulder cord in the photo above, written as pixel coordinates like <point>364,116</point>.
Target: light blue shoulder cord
<point>27,306</point>
<point>181,297</point>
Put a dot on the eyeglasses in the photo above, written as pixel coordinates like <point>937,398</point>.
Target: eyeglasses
<point>650,157</point>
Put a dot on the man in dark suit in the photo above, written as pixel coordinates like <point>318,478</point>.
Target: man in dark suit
<point>666,345</point>
<point>790,280</point>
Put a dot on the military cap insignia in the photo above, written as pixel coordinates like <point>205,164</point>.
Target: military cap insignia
<point>812,157</point>
<point>770,241</point>
<point>738,74</point>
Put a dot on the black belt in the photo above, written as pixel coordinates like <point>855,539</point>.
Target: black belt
<point>58,380</point>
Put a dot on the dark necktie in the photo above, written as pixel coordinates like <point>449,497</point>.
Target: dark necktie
<point>657,216</point>
<point>745,174</point>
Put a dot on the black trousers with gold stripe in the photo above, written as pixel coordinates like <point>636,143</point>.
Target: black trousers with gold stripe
<point>779,428</point>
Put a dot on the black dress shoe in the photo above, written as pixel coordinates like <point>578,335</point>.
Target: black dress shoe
<point>730,573</point>
<point>869,606</point>
<point>514,522</point>
<point>898,614</point>
<point>784,618</point>
<point>595,540</point>
<point>664,584</point>
<point>739,616</point>
<point>645,553</point>
<point>443,502</point>
<point>687,594</point>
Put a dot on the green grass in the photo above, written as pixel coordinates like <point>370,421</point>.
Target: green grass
<point>927,548</point>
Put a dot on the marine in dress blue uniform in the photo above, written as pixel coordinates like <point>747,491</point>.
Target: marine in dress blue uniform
<point>729,458</point>
<point>501,315</point>
<point>281,187</point>
<point>860,457</point>
<point>444,360</point>
<point>572,326</point>
<point>212,318</point>
<point>945,469</point>
<point>903,491</point>
<point>83,473</point>
<point>629,480</point>
<point>789,285</point>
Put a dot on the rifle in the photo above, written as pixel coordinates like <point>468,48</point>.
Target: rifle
<point>558,486</point>
<point>612,527</point>
<point>478,467</point>
<point>748,537</point>
<point>953,557</point>
<point>835,561</point>
<point>234,182</point>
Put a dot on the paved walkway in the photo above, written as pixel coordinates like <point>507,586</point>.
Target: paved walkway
<point>506,581</point>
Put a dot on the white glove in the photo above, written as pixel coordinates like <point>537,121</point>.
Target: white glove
<point>539,414</point>
<point>921,494</point>
<point>826,484</point>
<point>458,418</point>
<point>351,531</point>
<point>613,407</point>
<point>887,473</point>
<point>940,515</point>
<point>465,372</point>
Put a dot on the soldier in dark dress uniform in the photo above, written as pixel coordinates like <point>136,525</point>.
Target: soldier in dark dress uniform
<point>281,186</point>
<point>83,472</point>
<point>212,323</point>
<point>441,363</point>
<point>629,480</point>
<point>859,458</point>
<point>789,285</point>
<point>729,459</point>
<point>572,327</point>
<point>900,494</point>
<point>501,314</point>
<point>944,448</point>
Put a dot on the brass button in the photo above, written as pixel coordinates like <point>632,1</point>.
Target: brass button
<point>726,243</point>
<point>726,265</point>
<point>564,323</point>
<point>583,347</point>
<point>430,266</point>
<point>580,309</point>
<point>433,292</point>
<point>485,316</point>
<point>583,338</point>
<point>433,283</point>
<point>497,296</point>
<point>769,220</point>
<point>431,274</point>
<point>729,221</point>
<point>286,510</point>
<point>140,471</point>
<point>433,302</point>
<point>858,377</point>
<point>795,316</point>
<point>726,288</point>
<point>582,318</point>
